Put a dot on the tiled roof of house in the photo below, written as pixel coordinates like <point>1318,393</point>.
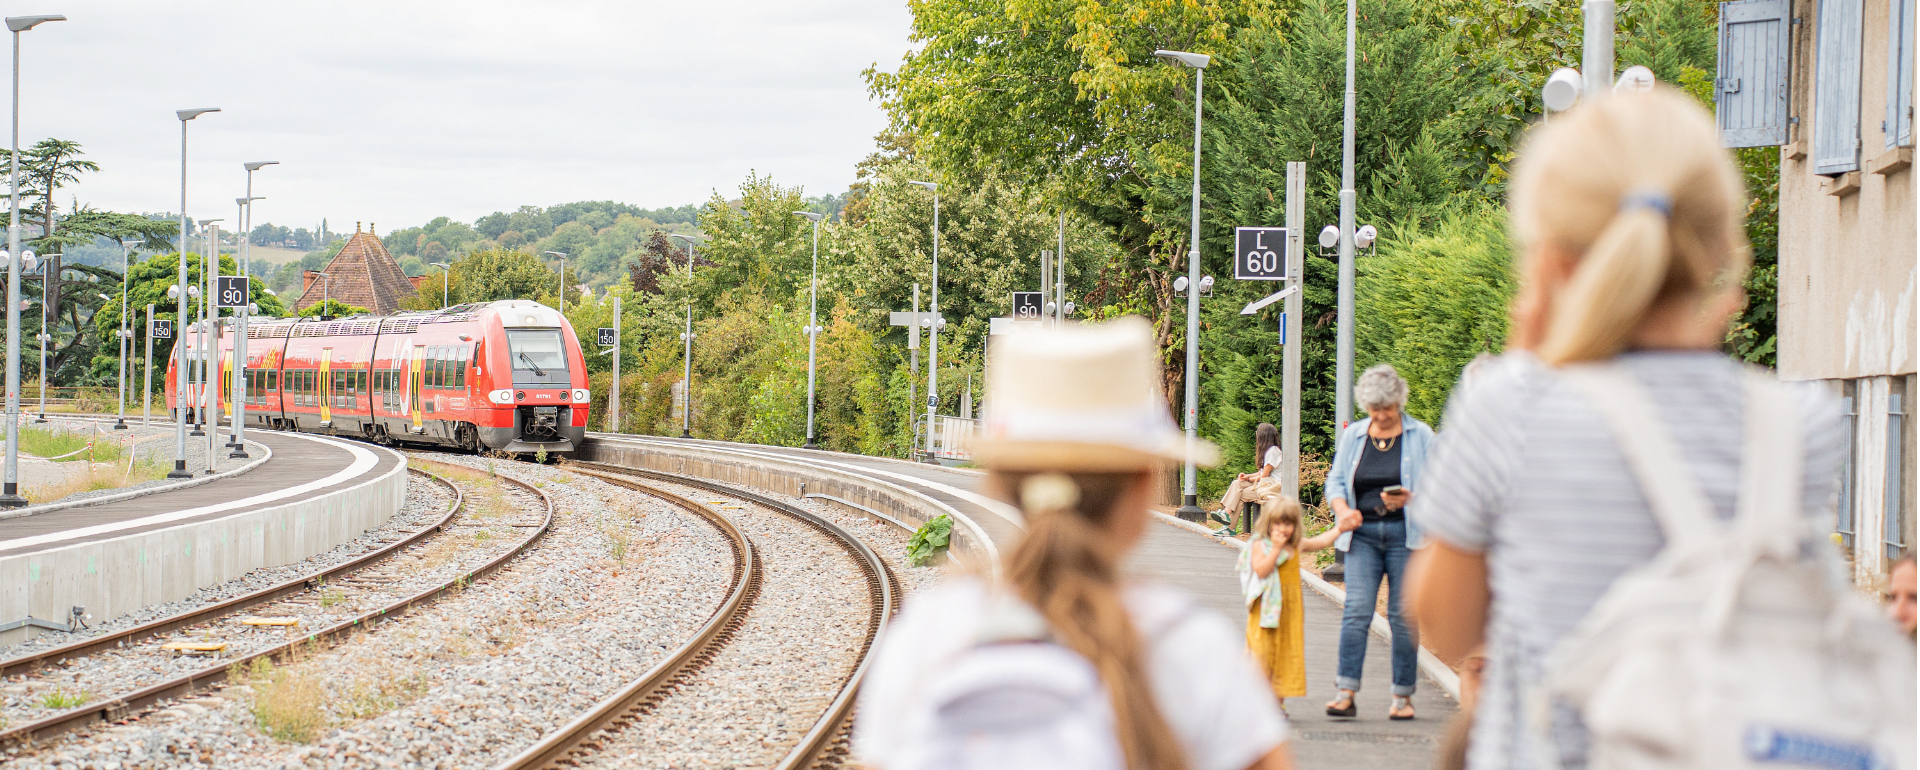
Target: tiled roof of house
<point>362,274</point>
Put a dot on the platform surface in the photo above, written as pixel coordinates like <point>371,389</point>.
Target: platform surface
<point>1204,568</point>
<point>298,461</point>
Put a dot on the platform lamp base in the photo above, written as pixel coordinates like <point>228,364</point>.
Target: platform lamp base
<point>179,470</point>
<point>1190,510</point>
<point>41,418</point>
<point>11,498</point>
<point>1337,573</point>
<point>120,424</point>
<point>238,453</point>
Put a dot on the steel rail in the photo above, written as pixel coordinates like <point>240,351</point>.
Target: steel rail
<point>557,748</point>
<point>830,729</point>
<point>119,707</point>
<point>28,663</point>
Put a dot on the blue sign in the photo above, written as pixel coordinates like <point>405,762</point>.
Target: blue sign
<point>1283,327</point>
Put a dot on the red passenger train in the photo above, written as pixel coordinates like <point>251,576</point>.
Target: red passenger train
<point>505,375</point>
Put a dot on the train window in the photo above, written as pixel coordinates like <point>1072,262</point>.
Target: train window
<point>460,366</point>
<point>537,355</point>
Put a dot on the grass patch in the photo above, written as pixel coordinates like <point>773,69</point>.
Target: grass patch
<point>61,699</point>
<point>46,442</point>
<point>288,705</point>
<point>330,598</point>
<point>370,697</point>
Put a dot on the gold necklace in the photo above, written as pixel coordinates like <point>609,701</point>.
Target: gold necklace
<point>1384,444</point>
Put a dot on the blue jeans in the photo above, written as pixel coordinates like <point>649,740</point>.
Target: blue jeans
<point>1378,548</point>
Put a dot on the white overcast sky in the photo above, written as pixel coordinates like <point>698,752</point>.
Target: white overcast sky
<point>395,112</point>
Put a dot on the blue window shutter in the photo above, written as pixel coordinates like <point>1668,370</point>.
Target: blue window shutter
<point>1899,126</point>
<point>1750,91</point>
<point>1836,88</point>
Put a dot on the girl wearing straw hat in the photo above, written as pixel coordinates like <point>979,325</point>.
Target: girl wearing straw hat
<point>1054,661</point>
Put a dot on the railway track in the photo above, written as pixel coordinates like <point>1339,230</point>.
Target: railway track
<point>578,741</point>
<point>344,584</point>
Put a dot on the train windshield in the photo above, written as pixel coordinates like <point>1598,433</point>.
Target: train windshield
<point>539,355</point>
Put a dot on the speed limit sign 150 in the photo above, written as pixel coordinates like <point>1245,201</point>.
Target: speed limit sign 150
<point>1260,253</point>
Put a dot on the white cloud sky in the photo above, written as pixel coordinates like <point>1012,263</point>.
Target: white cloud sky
<point>396,112</point>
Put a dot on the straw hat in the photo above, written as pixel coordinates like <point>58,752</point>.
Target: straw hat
<point>1081,398</point>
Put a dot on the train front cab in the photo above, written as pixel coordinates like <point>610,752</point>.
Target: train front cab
<point>535,397</point>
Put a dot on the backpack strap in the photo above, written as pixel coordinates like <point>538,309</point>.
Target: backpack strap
<point>1772,468</point>
<point>1684,513</point>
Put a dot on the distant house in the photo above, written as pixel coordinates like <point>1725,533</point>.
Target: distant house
<point>362,274</point>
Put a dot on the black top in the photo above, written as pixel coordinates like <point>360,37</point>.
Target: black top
<point>1377,470</point>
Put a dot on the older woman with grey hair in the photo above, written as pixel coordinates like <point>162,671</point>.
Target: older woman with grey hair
<point>1376,467</point>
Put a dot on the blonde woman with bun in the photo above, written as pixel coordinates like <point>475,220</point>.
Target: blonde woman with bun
<point>1629,218</point>
<point>1050,659</point>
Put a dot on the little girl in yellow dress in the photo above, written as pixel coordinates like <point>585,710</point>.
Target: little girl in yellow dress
<point>1270,583</point>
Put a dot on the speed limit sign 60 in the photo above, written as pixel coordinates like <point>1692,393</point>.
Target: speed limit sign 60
<point>232,291</point>
<point>1260,253</point>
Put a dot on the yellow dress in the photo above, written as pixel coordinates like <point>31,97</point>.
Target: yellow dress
<point>1282,652</point>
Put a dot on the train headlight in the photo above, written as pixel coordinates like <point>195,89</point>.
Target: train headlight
<point>501,396</point>
<point>579,395</point>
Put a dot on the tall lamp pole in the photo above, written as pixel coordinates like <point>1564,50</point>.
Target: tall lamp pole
<point>240,392</point>
<point>934,322</point>
<point>813,319</point>
<point>686,358</point>
<point>1189,507</point>
<point>1343,352</point>
<point>180,391</point>
<point>446,277</point>
<point>563,279</point>
<point>124,335</point>
<point>210,340</point>
<point>47,277</point>
<point>10,487</point>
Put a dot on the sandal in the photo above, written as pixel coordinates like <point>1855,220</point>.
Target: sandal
<point>1348,710</point>
<point>1401,702</point>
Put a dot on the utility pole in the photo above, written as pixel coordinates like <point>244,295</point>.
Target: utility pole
<point>613,393</point>
<point>1290,324</point>
<point>146,391</point>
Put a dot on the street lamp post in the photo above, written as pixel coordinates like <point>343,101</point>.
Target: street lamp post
<point>1343,351</point>
<point>563,278</point>
<point>934,322</point>
<point>146,374</point>
<point>10,487</point>
<point>813,318</point>
<point>47,277</point>
<point>446,275</point>
<point>686,358</point>
<point>326,292</point>
<point>125,337</point>
<point>240,392</point>
<point>210,341</point>
<point>1189,507</point>
<point>180,392</point>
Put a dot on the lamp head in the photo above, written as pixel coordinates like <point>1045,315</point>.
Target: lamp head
<point>1637,79</point>
<point>808,215</point>
<point>245,201</point>
<point>186,115</point>
<point>1365,236</point>
<point>441,265</point>
<point>1562,89</point>
<point>688,238</point>
<point>929,185</point>
<point>557,254</point>
<point>1197,61</point>
<point>24,23</point>
<point>1329,237</point>
<point>256,165</point>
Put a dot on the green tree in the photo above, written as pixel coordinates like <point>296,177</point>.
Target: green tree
<point>332,308</point>
<point>495,274</point>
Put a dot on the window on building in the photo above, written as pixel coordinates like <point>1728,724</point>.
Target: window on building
<point>1898,521</point>
<point>1898,127</point>
<point>1750,91</point>
<point>1849,421</point>
<point>1836,87</point>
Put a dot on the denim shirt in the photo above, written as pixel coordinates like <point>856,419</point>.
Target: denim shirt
<point>1418,438</point>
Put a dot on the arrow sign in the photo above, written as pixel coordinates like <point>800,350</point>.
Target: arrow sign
<point>1253,307</point>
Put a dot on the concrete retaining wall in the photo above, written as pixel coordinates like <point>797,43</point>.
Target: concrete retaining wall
<point>786,478</point>
<point>118,575</point>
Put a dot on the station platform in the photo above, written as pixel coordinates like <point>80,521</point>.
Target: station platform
<point>1205,568</point>
<point>310,495</point>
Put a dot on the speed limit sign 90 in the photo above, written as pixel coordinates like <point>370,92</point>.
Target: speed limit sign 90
<point>1260,253</point>
<point>232,292</point>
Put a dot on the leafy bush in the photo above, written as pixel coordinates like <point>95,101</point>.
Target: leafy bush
<point>929,541</point>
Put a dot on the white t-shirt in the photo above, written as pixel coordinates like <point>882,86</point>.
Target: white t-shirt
<point>1275,459</point>
<point>1223,711</point>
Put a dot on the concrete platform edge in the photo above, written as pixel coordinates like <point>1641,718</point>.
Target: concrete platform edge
<point>118,496</point>
<point>1430,664</point>
<point>118,575</point>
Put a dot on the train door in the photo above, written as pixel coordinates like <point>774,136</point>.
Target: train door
<point>324,390</point>
<point>226,382</point>
<point>414,383</point>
